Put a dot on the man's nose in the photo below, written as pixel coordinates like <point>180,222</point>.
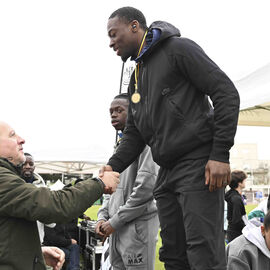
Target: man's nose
<point>111,44</point>
<point>20,140</point>
<point>27,165</point>
<point>114,114</point>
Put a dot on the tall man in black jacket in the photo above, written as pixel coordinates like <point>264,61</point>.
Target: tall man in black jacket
<point>189,139</point>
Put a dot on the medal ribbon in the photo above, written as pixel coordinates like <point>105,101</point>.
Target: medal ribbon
<point>137,65</point>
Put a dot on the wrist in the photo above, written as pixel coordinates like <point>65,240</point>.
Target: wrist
<point>99,180</point>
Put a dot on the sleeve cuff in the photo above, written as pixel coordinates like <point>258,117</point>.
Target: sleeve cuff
<point>97,179</point>
<point>220,153</point>
<point>115,222</point>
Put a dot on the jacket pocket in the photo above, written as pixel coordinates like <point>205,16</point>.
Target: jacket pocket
<point>172,104</point>
<point>141,231</point>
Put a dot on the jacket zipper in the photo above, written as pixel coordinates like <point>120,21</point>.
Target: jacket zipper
<point>149,123</point>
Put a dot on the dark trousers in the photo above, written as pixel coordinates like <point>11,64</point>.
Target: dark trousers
<point>191,218</point>
<point>72,253</point>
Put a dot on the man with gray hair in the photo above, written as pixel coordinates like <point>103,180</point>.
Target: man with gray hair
<point>22,204</point>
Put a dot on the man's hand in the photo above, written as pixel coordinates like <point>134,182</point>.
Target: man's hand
<point>106,228</point>
<point>105,168</point>
<point>98,227</point>
<point>111,180</point>
<point>73,241</point>
<point>85,217</point>
<point>54,257</point>
<point>217,174</point>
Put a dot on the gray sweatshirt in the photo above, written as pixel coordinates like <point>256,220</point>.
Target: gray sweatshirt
<point>248,251</point>
<point>133,198</point>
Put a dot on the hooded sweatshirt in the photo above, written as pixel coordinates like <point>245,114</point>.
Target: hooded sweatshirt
<point>256,216</point>
<point>133,198</point>
<point>174,116</point>
<point>248,251</point>
<point>236,210</point>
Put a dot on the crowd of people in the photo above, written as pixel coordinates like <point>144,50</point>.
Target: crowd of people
<point>173,159</point>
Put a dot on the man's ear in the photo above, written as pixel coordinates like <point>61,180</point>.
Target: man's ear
<point>262,230</point>
<point>134,26</point>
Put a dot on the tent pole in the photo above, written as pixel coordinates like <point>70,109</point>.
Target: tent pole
<point>120,91</point>
<point>121,78</point>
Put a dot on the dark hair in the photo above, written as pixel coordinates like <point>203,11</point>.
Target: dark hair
<point>236,178</point>
<point>266,221</point>
<point>122,96</point>
<point>27,154</point>
<point>129,14</point>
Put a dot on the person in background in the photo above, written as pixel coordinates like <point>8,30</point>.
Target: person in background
<point>189,138</point>
<point>22,204</point>
<point>129,216</point>
<point>251,251</point>
<point>28,172</point>
<point>59,237</point>
<point>236,213</point>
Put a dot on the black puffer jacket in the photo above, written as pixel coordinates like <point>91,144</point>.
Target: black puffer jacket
<point>174,116</point>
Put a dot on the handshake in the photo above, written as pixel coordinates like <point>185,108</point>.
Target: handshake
<point>109,178</point>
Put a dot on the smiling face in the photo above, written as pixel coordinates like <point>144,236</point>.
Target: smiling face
<point>124,37</point>
<point>28,167</point>
<point>11,145</point>
<point>118,112</point>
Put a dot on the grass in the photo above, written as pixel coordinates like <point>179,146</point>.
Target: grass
<point>250,207</point>
<point>92,213</point>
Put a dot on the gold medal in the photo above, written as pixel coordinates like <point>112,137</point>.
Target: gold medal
<point>136,97</point>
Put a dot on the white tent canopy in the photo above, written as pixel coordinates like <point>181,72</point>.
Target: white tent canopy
<point>67,167</point>
<point>254,92</point>
<point>70,161</point>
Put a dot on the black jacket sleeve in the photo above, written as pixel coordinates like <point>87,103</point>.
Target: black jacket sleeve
<point>56,236</point>
<point>208,78</point>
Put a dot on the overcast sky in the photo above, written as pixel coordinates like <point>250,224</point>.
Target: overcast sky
<point>58,74</point>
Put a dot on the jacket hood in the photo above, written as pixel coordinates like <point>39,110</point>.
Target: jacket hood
<point>254,235</point>
<point>167,30</point>
<point>157,32</point>
<point>230,194</point>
